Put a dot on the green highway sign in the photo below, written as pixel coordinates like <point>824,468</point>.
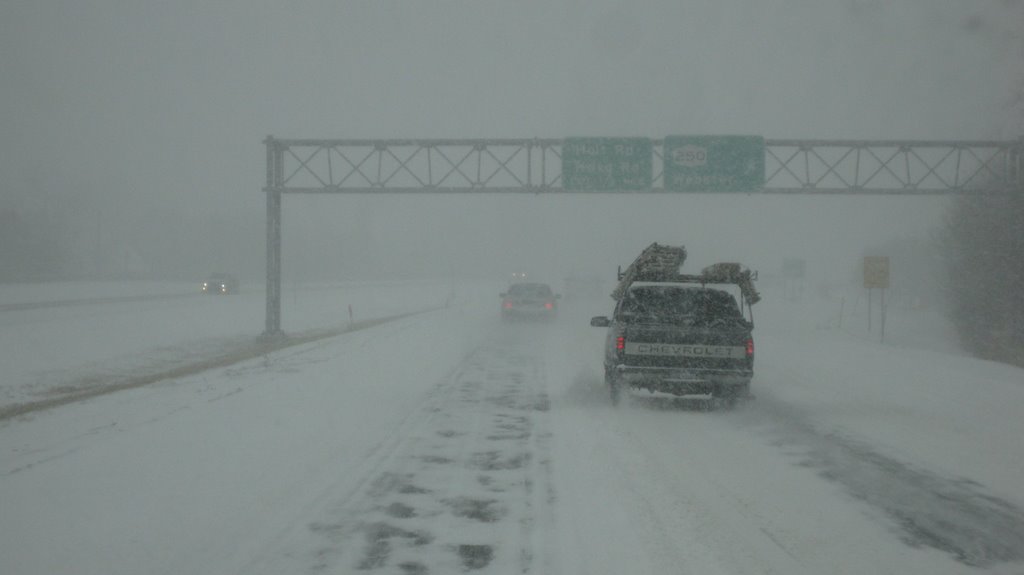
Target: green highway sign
<point>714,163</point>
<point>607,164</point>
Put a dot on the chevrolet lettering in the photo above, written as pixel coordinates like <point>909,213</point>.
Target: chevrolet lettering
<point>685,350</point>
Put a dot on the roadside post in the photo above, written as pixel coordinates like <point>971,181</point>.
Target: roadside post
<point>876,276</point>
<point>794,270</point>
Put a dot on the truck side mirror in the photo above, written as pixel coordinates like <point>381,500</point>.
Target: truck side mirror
<point>599,321</point>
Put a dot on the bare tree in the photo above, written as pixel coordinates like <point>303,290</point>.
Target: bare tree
<point>982,244</point>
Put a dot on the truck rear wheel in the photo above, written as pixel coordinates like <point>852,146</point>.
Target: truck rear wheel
<point>614,386</point>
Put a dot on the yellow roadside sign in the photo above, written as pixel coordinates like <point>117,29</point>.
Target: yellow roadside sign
<point>876,272</point>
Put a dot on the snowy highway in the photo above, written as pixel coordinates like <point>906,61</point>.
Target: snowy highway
<point>445,441</point>
<point>317,288</point>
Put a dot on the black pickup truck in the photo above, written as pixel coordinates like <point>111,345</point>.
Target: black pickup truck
<point>681,334</point>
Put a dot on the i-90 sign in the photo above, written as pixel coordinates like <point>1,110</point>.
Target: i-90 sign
<point>714,163</point>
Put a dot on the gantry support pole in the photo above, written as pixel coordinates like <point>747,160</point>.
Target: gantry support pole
<point>275,165</point>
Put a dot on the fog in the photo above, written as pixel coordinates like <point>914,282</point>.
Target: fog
<point>403,425</point>
<point>133,131</point>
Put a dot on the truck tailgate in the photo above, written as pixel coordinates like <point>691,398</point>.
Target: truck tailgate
<point>699,348</point>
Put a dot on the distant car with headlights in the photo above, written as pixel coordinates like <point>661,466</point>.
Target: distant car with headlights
<point>220,284</point>
<point>529,300</point>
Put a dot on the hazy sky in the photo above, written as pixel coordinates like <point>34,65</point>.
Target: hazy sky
<point>148,105</point>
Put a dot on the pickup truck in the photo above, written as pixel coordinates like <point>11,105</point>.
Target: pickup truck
<point>682,335</point>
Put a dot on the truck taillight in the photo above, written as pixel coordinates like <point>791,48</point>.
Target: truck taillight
<point>549,305</point>
<point>507,304</point>
<point>620,343</point>
<point>750,347</point>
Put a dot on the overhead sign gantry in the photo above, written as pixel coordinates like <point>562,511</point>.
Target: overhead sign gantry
<point>677,164</point>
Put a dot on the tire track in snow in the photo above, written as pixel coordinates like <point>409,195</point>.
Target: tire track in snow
<point>465,485</point>
<point>953,515</point>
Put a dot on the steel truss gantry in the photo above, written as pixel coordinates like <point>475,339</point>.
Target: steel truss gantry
<point>534,166</point>
<point>883,167</point>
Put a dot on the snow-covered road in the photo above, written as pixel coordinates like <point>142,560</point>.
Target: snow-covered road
<point>446,441</point>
